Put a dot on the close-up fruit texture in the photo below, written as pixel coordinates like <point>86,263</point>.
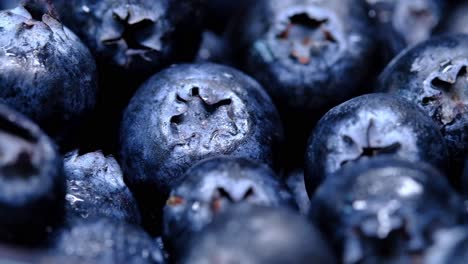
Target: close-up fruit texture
<point>187,113</point>
<point>136,36</point>
<point>234,132</point>
<point>385,210</point>
<point>309,56</point>
<point>434,76</point>
<point>46,71</point>
<point>369,126</point>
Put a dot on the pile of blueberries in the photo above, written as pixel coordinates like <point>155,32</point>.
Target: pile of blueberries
<point>224,132</point>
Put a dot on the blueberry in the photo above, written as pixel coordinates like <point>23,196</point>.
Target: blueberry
<point>105,241</point>
<point>212,187</point>
<point>309,55</point>
<point>32,185</point>
<point>383,210</point>
<point>131,40</point>
<point>434,75</point>
<point>137,37</point>
<point>255,234</point>
<point>368,126</point>
<point>46,73</point>
<point>412,21</point>
<point>190,112</point>
<point>96,189</point>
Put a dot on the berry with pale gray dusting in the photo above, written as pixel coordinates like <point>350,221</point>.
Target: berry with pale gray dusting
<point>190,112</point>
<point>309,55</point>
<point>138,36</point>
<point>434,76</point>
<point>46,73</point>
<point>369,126</point>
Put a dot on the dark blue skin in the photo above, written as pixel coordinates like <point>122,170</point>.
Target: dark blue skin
<point>137,37</point>
<point>32,184</point>
<point>46,72</point>
<point>385,211</point>
<point>372,125</point>
<point>131,40</point>
<point>105,241</point>
<point>309,55</point>
<point>96,189</point>
<point>213,186</point>
<point>434,75</point>
<point>256,234</point>
<point>190,112</point>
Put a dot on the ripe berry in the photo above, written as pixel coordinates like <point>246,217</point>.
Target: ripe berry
<point>137,37</point>
<point>434,75</point>
<point>309,55</point>
<point>368,126</point>
<point>190,112</point>
<point>46,72</point>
